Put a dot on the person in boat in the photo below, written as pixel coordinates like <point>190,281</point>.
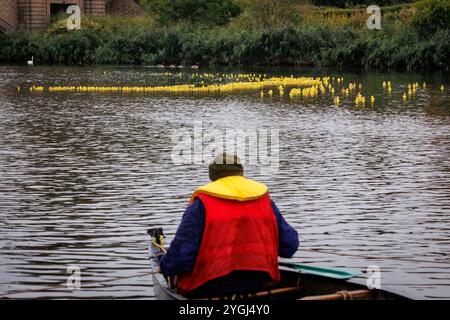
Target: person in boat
<point>230,236</point>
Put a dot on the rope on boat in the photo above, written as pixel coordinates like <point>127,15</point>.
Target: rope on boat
<point>371,257</point>
<point>64,284</point>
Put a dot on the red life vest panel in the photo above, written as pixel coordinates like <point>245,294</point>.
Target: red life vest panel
<point>238,235</point>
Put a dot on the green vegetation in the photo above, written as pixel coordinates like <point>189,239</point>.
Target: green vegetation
<point>263,34</point>
<point>431,16</point>
<point>205,12</point>
<point>352,3</point>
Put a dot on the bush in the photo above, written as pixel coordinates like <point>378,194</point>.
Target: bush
<point>75,47</point>
<point>395,46</point>
<point>431,15</point>
<point>207,12</point>
<point>60,26</point>
<point>350,3</point>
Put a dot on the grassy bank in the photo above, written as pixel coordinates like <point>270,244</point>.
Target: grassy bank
<point>313,37</point>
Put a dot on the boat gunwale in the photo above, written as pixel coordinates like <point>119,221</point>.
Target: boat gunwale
<point>158,279</point>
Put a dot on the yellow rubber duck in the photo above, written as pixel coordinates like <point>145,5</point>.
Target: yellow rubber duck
<point>336,101</point>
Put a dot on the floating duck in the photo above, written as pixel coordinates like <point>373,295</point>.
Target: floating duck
<point>442,87</point>
<point>372,99</point>
<point>31,62</point>
<point>194,66</point>
<point>243,84</point>
<point>336,101</point>
<point>360,100</point>
<point>404,97</point>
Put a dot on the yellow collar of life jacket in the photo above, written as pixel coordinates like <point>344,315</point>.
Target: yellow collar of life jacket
<point>233,188</point>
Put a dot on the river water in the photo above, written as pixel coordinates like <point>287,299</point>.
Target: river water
<point>83,175</point>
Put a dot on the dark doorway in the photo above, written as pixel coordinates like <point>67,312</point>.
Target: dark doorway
<point>58,10</point>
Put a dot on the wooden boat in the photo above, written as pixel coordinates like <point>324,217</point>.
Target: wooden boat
<point>295,284</point>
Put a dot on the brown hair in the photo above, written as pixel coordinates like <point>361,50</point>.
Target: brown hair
<point>224,165</point>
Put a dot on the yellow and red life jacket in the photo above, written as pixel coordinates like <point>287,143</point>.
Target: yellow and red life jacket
<point>240,233</point>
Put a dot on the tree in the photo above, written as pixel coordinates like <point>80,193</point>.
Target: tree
<point>431,15</point>
<point>207,12</point>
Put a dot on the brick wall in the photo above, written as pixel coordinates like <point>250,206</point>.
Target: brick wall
<point>94,7</point>
<point>32,14</point>
<point>35,14</point>
<point>8,14</point>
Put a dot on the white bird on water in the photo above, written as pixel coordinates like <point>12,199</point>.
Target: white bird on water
<point>31,62</point>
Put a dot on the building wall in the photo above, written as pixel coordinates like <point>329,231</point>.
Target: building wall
<point>8,14</point>
<point>32,14</point>
<point>95,7</point>
<point>35,14</point>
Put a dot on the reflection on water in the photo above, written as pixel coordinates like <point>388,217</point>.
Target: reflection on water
<point>84,175</point>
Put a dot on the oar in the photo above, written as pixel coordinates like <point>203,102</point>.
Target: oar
<point>334,273</point>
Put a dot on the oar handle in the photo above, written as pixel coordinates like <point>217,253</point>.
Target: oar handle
<point>156,233</point>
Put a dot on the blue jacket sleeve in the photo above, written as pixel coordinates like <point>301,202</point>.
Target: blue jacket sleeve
<point>180,257</point>
<point>288,237</point>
